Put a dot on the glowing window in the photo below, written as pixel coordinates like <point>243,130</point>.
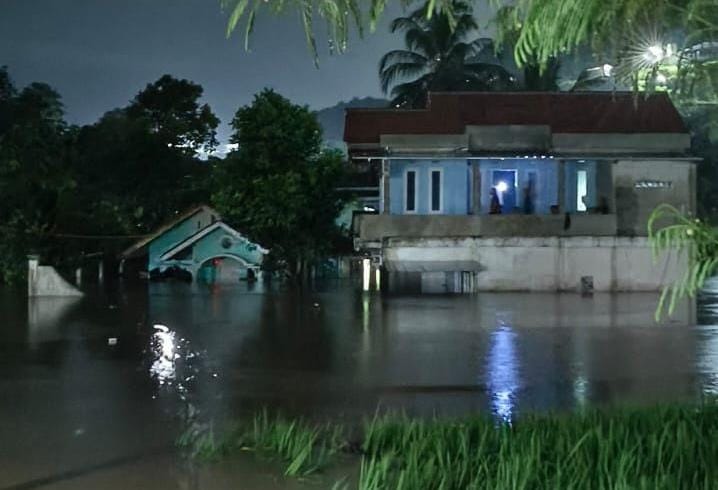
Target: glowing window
<point>581,190</point>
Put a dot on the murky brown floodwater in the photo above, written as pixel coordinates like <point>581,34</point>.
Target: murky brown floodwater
<point>94,392</point>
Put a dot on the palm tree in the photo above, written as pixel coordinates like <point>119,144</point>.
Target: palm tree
<point>439,58</point>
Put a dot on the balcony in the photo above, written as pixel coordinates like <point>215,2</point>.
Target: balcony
<point>371,229</point>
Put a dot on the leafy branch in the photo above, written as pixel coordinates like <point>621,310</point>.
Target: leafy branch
<point>339,15</point>
<point>671,231</point>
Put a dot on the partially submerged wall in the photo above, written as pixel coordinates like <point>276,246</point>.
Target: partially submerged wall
<point>532,264</point>
<point>44,280</point>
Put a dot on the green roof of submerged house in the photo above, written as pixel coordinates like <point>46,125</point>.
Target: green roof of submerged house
<point>138,248</point>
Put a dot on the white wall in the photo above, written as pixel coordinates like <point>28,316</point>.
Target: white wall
<point>538,264</point>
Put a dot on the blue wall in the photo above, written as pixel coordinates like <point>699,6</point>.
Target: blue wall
<point>545,193</point>
<point>457,179</point>
<point>455,183</point>
<point>210,246</point>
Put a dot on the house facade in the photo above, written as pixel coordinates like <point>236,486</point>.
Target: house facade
<point>197,242</point>
<point>522,191</point>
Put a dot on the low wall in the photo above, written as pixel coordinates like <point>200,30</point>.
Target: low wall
<point>44,280</point>
<point>376,227</point>
<point>532,264</point>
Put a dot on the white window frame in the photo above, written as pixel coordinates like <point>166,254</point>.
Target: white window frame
<point>406,191</point>
<point>431,190</point>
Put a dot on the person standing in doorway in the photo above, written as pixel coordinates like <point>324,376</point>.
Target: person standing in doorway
<point>529,199</point>
<point>494,203</point>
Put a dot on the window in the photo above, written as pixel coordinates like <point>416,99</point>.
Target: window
<point>435,190</point>
<point>226,242</point>
<point>410,193</point>
<point>581,191</point>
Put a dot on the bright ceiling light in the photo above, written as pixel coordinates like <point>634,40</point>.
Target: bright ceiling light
<point>654,53</point>
<point>502,186</point>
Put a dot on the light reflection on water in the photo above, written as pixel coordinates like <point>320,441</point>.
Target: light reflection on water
<point>163,368</point>
<point>503,371</point>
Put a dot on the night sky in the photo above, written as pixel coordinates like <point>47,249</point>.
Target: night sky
<point>99,53</point>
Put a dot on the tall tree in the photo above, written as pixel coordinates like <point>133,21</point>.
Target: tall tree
<point>439,57</point>
<point>279,185</point>
<point>172,111</point>
<point>34,155</point>
<point>139,165</point>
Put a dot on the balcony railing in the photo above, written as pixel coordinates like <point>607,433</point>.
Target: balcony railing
<point>376,227</point>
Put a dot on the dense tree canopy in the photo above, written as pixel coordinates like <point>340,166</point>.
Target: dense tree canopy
<point>69,191</point>
<point>279,185</point>
<point>139,165</point>
<point>34,156</point>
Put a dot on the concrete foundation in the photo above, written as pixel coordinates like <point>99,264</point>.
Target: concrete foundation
<point>44,280</point>
<point>528,264</point>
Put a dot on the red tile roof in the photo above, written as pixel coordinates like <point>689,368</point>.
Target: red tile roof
<point>564,112</point>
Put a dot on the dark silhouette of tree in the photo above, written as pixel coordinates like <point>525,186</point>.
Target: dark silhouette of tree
<point>34,174</point>
<point>279,186</point>
<point>438,57</point>
<point>171,109</point>
<point>538,79</point>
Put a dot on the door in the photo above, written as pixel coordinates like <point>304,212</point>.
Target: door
<point>505,183</point>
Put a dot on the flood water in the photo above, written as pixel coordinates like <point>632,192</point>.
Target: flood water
<point>93,392</point>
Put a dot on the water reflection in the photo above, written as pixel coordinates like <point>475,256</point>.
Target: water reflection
<point>503,371</point>
<point>163,348</point>
<point>44,317</point>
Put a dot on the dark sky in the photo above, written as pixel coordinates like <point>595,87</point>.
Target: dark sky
<point>99,53</point>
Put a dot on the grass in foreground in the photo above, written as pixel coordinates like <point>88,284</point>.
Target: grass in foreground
<point>656,448</point>
<point>304,448</point>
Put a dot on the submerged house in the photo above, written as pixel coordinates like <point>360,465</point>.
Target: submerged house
<point>522,191</point>
<point>200,244</point>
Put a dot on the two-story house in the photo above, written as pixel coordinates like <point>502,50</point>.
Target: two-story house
<point>522,191</point>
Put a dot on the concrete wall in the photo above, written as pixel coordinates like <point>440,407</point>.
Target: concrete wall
<point>534,264</point>
<point>635,204</point>
<point>376,227</point>
<point>623,143</point>
<point>43,280</point>
<point>455,185</point>
<point>178,233</point>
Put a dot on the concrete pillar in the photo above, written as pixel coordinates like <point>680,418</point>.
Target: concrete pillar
<point>33,262</point>
<point>561,198</point>
<point>693,188</point>
<point>385,187</point>
<point>475,188</point>
<point>100,272</point>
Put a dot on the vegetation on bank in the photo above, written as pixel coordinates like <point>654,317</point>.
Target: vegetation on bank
<point>664,447</point>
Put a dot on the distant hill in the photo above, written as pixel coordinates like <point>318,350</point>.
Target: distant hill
<point>332,118</point>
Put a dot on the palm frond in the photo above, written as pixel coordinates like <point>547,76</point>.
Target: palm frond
<point>671,231</point>
<point>399,70</point>
<point>401,56</point>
